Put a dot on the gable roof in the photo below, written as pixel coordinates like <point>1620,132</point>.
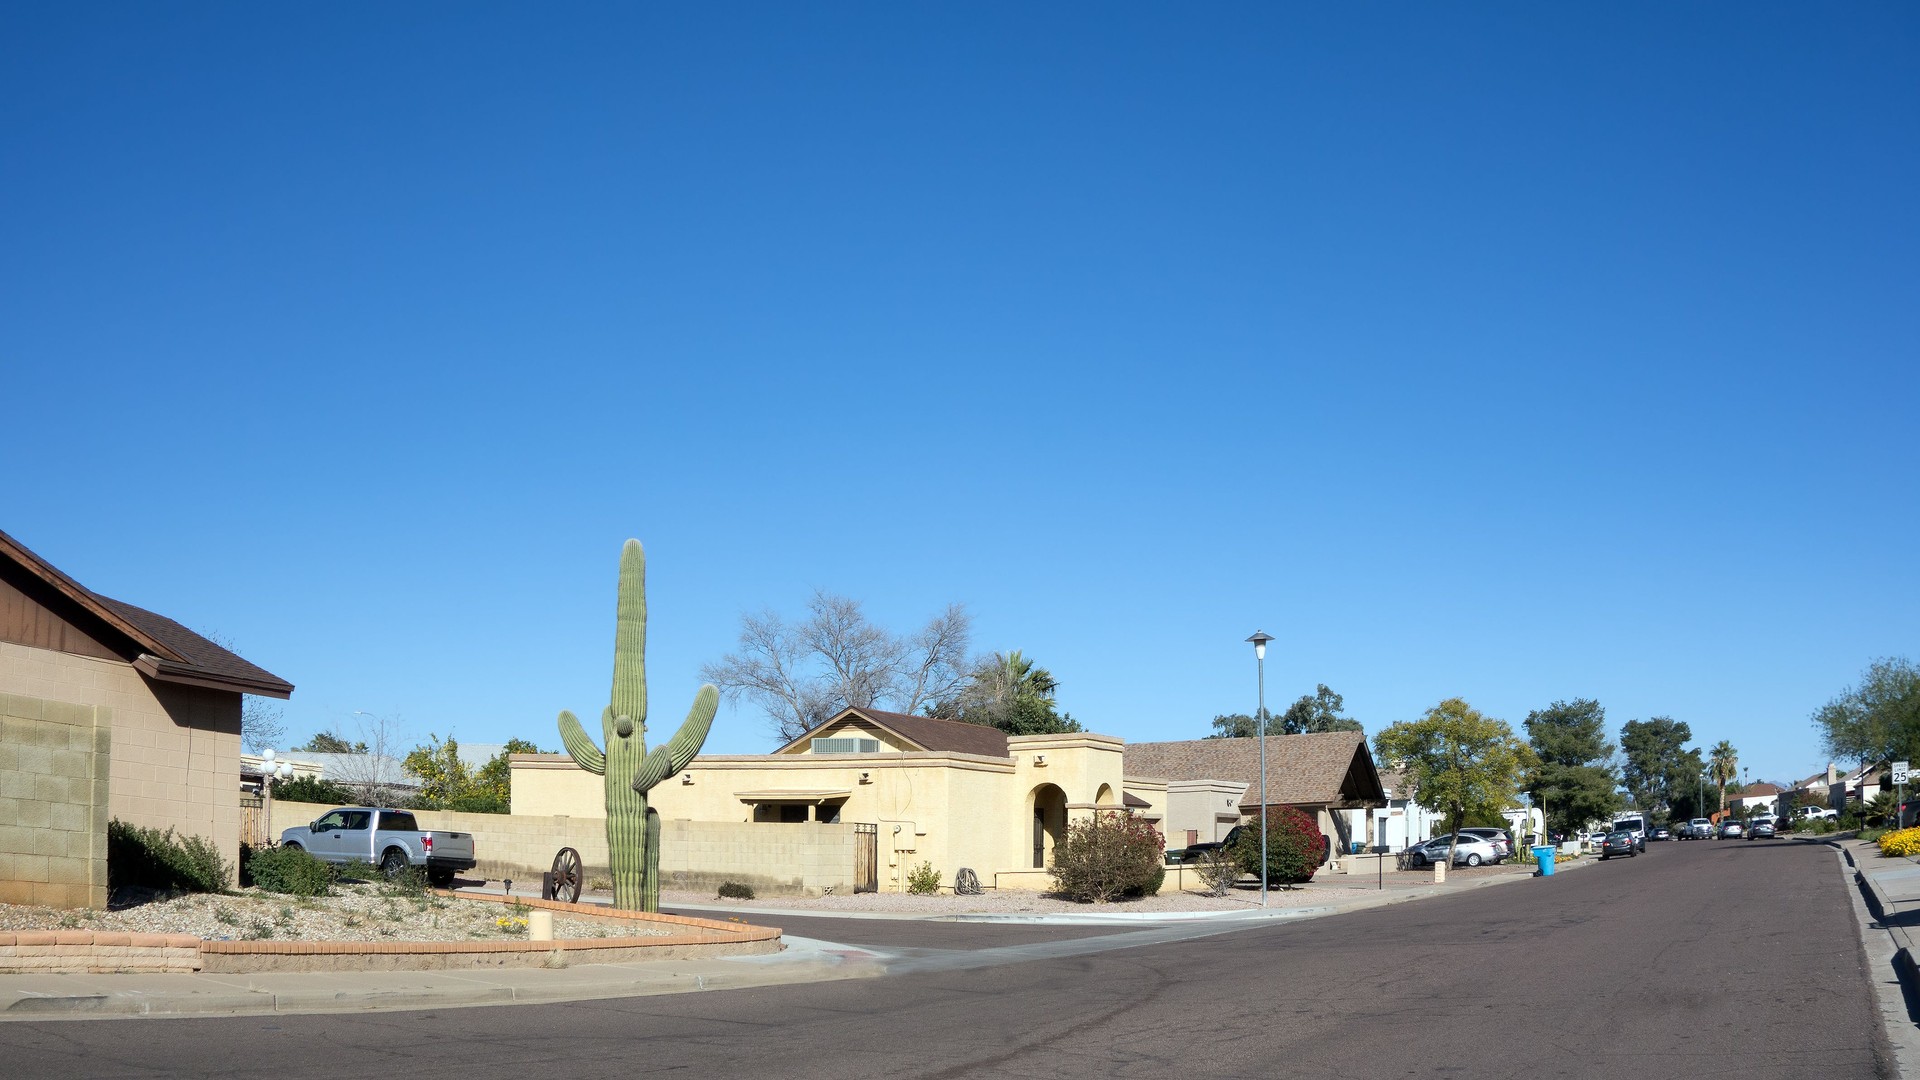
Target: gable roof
<point>922,732</point>
<point>157,646</point>
<point>1331,768</point>
<point>1759,790</point>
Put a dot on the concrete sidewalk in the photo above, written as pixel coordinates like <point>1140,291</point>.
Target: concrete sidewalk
<point>45,997</point>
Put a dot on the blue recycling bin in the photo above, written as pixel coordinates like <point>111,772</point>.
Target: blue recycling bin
<point>1543,854</point>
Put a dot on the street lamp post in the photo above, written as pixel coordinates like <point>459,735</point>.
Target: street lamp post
<point>1260,639</point>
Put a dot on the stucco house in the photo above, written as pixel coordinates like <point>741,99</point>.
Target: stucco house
<point>904,790</point>
<point>107,710</point>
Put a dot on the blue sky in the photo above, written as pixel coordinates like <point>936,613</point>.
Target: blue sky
<point>1501,352</point>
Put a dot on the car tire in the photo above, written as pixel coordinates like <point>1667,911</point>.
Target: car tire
<point>1418,860</point>
<point>1473,858</point>
<point>394,863</point>
<point>291,846</point>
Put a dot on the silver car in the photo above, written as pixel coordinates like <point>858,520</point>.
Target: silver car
<point>1473,851</point>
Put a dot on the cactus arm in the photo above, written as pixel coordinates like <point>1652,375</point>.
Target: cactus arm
<point>580,745</point>
<point>630,637</point>
<point>675,753</point>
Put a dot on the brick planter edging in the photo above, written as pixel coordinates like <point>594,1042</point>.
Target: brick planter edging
<point>86,951</point>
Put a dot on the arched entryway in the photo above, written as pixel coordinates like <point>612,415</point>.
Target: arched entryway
<point>1047,809</point>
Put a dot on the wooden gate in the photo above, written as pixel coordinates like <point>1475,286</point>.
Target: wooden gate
<point>255,830</point>
<point>866,857</point>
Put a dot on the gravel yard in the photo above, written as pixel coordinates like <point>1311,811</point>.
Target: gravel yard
<point>357,912</point>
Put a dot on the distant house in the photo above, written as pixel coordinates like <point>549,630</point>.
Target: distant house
<point>1330,776</point>
<point>1756,798</point>
<point>107,710</point>
<point>857,802</point>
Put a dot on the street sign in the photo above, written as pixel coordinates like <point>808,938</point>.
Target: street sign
<point>1899,772</point>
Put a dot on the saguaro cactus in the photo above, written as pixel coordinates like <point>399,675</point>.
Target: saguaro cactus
<point>633,828</point>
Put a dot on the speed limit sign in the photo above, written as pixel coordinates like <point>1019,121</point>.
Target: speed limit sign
<point>1899,772</point>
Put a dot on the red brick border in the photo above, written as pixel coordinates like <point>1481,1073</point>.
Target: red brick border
<point>75,951</point>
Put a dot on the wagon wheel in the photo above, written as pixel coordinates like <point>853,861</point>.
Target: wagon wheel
<point>566,876</point>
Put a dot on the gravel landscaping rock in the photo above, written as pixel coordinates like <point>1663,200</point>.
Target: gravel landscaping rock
<point>357,912</point>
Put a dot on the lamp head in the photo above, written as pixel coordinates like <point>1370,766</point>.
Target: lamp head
<point>1260,639</point>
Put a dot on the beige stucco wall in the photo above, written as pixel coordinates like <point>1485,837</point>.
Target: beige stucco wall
<point>176,749</point>
<point>54,762</point>
<point>949,810</point>
<point>797,859</point>
<point>1208,807</point>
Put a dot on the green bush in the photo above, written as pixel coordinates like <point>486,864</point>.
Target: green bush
<point>1295,847</point>
<point>923,880</point>
<point>1108,856</point>
<point>156,859</point>
<point>733,890</point>
<point>290,870</point>
<point>312,789</point>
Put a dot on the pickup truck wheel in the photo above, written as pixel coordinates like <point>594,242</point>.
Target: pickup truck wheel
<point>394,863</point>
<point>291,846</point>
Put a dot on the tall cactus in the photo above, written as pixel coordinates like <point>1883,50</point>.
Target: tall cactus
<point>633,828</point>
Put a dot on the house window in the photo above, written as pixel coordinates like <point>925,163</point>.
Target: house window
<point>846,746</point>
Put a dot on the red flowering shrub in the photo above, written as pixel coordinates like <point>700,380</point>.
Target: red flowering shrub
<point>1110,855</point>
<point>1295,846</point>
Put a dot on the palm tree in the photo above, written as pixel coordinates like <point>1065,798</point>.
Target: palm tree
<point>1723,763</point>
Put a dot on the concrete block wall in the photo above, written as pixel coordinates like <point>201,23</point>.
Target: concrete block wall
<point>176,749</point>
<point>55,760</point>
<point>776,859</point>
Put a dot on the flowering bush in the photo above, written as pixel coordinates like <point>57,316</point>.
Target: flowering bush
<point>1110,855</point>
<point>1295,846</point>
<point>1901,842</point>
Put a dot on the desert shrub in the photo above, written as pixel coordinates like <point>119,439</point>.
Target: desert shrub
<point>290,870</point>
<point>1900,843</point>
<point>1219,868</point>
<point>1295,846</point>
<point>1107,856</point>
<point>312,789</point>
<point>156,859</point>
<point>923,880</point>
<point>733,890</point>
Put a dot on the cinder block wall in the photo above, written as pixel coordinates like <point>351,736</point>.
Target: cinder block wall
<point>55,759</point>
<point>776,859</point>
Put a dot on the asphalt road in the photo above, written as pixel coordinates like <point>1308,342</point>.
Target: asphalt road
<point>1728,958</point>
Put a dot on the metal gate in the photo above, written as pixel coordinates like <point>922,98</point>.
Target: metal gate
<point>866,857</point>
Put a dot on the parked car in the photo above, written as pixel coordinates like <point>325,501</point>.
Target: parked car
<point>1732,830</point>
<point>1621,842</point>
<point>1698,829</point>
<point>1662,833</point>
<point>1502,842</point>
<point>1760,829</point>
<point>1472,851</point>
<point>389,839</point>
<point>1193,853</point>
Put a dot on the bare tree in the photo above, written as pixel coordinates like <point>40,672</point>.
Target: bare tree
<point>262,724</point>
<point>377,770</point>
<point>802,673</point>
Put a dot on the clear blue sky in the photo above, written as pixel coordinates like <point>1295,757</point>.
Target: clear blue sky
<point>1502,352</point>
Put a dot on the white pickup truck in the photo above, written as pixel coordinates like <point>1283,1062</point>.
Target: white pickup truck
<point>389,839</point>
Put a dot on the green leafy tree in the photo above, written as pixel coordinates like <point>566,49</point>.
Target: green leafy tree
<point>1010,692</point>
<point>1458,759</point>
<point>1574,781</point>
<point>444,778</point>
<point>1242,726</point>
<point>1658,764</point>
<point>331,742</point>
<point>1877,719</point>
<point>1323,710</point>
<point>493,780</point>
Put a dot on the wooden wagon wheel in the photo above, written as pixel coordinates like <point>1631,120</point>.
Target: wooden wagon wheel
<point>566,876</point>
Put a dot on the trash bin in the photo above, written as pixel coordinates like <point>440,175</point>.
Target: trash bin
<point>1357,847</point>
<point>1544,856</point>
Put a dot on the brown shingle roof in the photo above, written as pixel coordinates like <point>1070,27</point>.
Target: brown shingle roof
<point>1324,769</point>
<point>950,736</point>
<point>154,644</point>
